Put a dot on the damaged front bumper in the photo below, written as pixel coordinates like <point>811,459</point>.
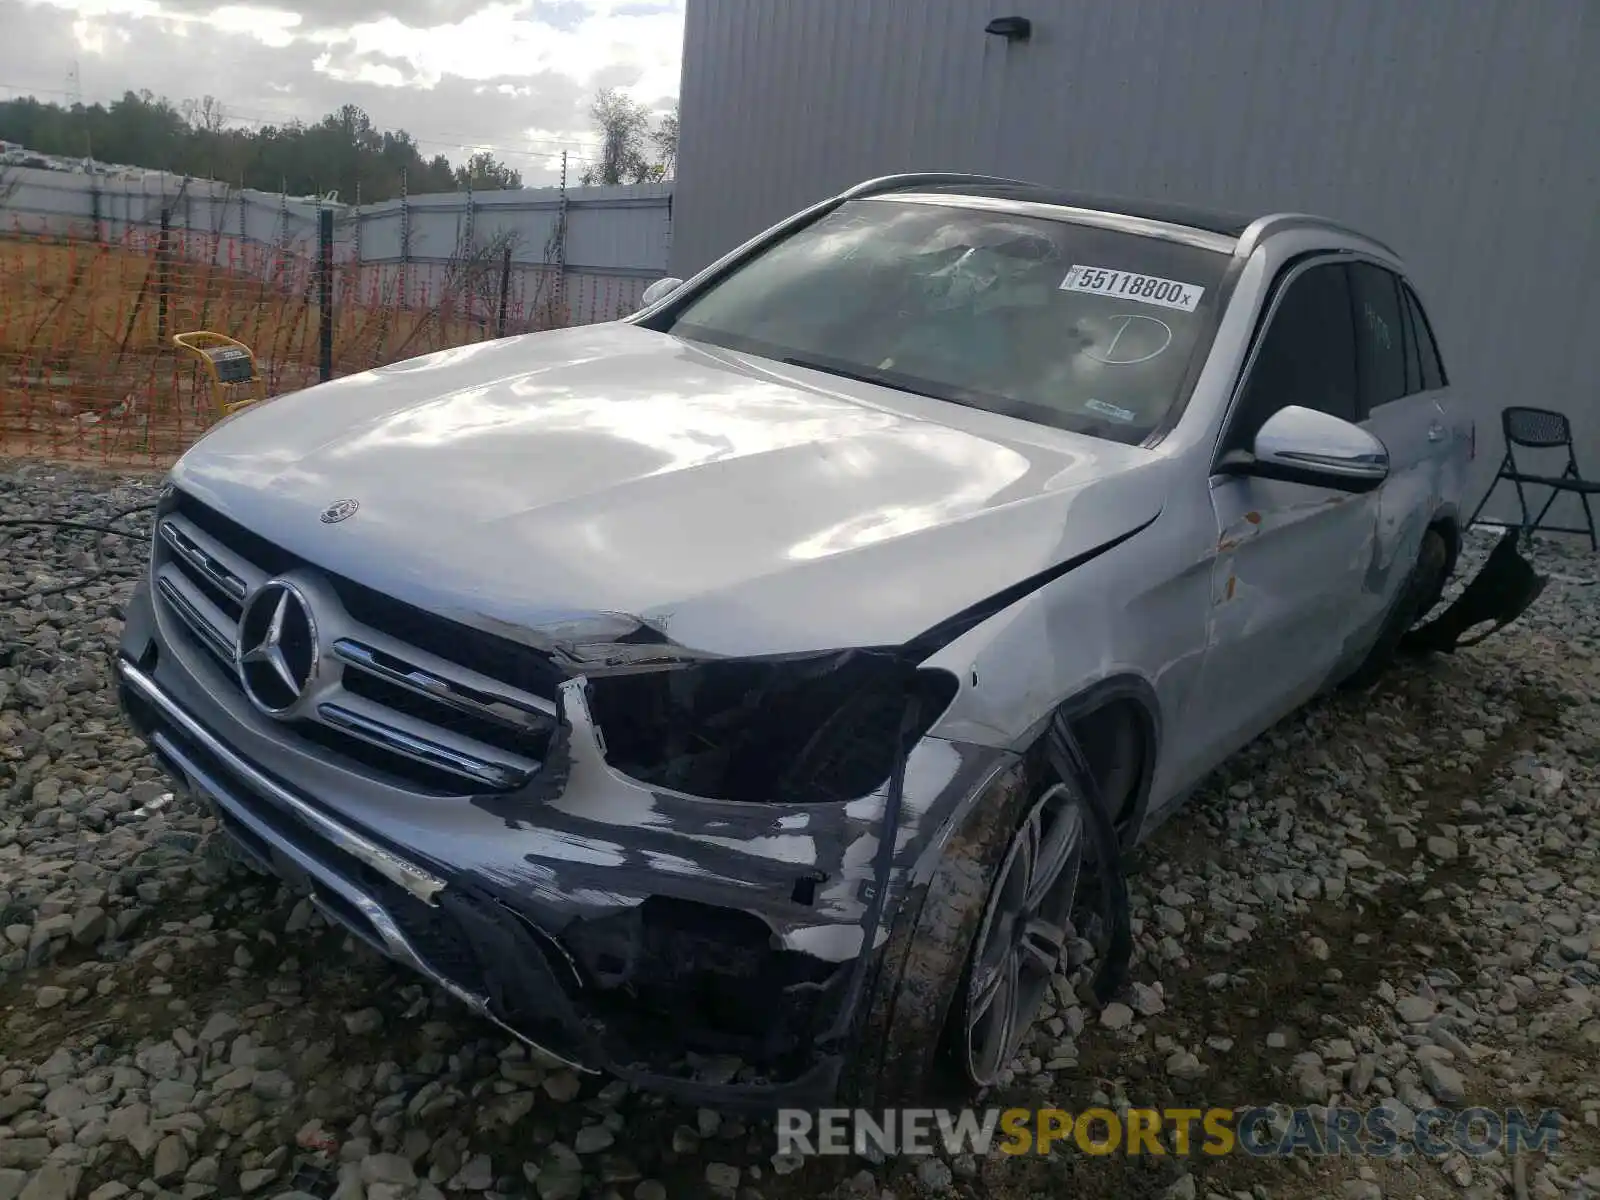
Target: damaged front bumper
<point>613,925</point>
<point>1502,590</point>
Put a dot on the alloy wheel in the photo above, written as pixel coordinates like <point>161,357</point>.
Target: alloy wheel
<point>1025,930</point>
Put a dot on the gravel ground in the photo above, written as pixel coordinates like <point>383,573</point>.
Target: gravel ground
<point>1391,898</point>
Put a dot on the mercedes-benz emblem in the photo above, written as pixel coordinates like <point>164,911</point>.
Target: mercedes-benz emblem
<point>339,510</point>
<point>277,648</point>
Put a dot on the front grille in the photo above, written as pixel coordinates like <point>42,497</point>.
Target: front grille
<point>399,692</point>
<point>517,666</point>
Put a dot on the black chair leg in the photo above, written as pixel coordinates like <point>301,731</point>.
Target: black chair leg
<point>1539,520</point>
<point>1500,475</point>
<point>1473,519</point>
<point>1522,501</point>
<point>1572,473</point>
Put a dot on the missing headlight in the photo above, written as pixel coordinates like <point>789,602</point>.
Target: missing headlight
<point>792,731</point>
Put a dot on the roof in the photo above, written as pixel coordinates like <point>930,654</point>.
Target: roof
<point>1216,221</point>
<point>1217,225</point>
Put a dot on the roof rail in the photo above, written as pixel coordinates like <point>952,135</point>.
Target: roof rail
<point>915,179</point>
<point>1366,237</point>
<point>1262,227</point>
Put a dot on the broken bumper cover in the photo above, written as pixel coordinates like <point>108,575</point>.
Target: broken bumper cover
<point>1502,590</point>
<point>612,927</point>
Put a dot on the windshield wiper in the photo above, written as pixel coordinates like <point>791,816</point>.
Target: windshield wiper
<point>889,379</point>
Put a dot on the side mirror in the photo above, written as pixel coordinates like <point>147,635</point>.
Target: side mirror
<point>659,290</point>
<point>1302,445</point>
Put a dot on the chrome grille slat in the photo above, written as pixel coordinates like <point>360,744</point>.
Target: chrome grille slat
<point>389,731</point>
<point>208,622</point>
<point>387,703</point>
<point>427,675</point>
<point>228,571</point>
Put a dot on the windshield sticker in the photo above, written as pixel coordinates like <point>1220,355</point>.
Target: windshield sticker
<point>1111,410</point>
<point>1130,285</point>
<point>1135,338</point>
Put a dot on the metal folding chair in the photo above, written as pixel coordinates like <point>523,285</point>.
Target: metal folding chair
<point>1541,429</point>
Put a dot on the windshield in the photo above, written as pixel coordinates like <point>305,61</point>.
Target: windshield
<point>1063,324</point>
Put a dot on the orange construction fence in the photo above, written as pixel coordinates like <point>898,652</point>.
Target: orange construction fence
<point>89,372</point>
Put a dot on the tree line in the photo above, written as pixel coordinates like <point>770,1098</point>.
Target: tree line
<point>344,152</point>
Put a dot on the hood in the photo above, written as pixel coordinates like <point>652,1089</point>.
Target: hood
<point>735,505</point>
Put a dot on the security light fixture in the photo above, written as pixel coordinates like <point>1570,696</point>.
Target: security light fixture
<point>1013,29</point>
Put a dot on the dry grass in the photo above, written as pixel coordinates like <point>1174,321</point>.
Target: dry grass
<point>87,371</point>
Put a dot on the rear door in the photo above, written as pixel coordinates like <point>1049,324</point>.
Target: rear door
<point>1404,415</point>
<point>1453,444</point>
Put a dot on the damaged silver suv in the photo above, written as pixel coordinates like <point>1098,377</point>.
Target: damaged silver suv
<point>779,671</point>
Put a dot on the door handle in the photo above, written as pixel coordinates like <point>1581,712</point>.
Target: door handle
<point>1436,432</point>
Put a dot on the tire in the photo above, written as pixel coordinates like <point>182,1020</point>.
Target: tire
<point>913,1045</point>
<point>899,1053</point>
<point>1422,589</point>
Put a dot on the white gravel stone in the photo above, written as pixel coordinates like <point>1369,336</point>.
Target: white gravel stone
<point>1445,1082</point>
<point>1116,1015</point>
<point>1443,848</point>
<point>1415,1009</point>
<point>1290,895</point>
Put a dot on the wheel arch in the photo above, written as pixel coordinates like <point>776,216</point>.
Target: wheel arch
<point>901,1031</point>
<point>1107,717</point>
<point>1446,522</point>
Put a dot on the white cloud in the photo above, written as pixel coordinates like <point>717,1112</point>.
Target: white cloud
<point>515,78</point>
<point>499,41</point>
<point>270,26</point>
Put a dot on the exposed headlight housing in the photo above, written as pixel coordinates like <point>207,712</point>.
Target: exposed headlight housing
<point>793,730</point>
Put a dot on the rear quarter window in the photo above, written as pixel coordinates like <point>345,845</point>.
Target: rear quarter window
<point>1433,374</point>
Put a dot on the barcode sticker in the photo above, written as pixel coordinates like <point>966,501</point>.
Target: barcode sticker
<point>1131,285</point>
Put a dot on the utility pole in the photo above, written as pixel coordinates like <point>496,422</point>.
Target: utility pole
<point>561,243</point>
<point>76,79</point>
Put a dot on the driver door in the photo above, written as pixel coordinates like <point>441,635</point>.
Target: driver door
<point>1290,595</point>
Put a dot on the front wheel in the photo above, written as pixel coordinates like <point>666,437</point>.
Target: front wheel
<point>1015,900</point>
<point>1023,937</point>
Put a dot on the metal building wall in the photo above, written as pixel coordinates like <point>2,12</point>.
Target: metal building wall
<point>1466,133</point>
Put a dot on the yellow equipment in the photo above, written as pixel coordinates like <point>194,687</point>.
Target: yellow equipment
<point>230,366</point>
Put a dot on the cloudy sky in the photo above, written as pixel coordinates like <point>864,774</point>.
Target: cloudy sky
<point>515,77</point>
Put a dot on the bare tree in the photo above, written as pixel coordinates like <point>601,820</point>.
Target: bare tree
<point>483,172</point>
<point>624,126</point>
<point>665,139</point>
<point>205,114</point>
<point>633,148</point>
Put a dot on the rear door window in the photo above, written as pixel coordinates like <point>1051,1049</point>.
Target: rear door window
<point>1380,335</point>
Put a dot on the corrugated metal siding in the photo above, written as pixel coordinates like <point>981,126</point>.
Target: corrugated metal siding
<point>1466,133</point>
<point>623,230</point>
